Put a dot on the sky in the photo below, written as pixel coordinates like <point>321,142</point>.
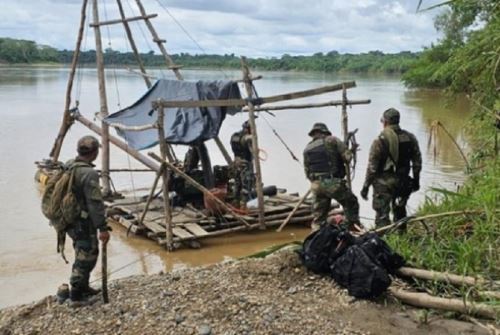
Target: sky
<point>255,28</point>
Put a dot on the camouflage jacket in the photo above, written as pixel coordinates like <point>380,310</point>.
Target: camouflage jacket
<point>409,156</point>
<point>88,192</point>
<point>334,146</point>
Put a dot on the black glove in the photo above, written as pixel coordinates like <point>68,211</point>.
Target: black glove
<point>415,185</point>
<point>364,192</point>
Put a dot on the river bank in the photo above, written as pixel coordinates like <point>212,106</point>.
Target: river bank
<point>274,295</point>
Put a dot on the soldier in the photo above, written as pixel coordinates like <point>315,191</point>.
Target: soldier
<point>84,232</point>
<point>392,155</point>
<point>324,159</point>
<point>244,179</point>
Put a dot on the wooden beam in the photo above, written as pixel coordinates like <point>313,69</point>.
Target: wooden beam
<point>200,187</point>
<point>223,150</point>
<point>345,134</point>
<point>67,120</point>
<point>122,20</point>
<point>165,177</point>
<point>260,101</point>
<point>294,210</point>
<point>132,44</point>
<point>106,189</point>
<point>303,106</point>
<point>255,143</point>
<point>122,145</point>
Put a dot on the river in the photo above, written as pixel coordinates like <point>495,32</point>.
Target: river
<point>31,104</point>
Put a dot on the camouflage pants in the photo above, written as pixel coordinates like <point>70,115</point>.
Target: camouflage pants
<point>387,196</point>
<point>326,190</point>
<point>244,181</point>
<point>86,252</point>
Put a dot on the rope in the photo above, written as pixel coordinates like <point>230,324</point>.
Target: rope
<point>274,130</point>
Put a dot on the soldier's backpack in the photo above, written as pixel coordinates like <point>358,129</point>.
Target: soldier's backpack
<point>59,203</point>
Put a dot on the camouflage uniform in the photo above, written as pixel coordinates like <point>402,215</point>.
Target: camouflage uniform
<point>392,155</point>
<point>324,159</point>
<point>84,232</point>
<point>244,177</point>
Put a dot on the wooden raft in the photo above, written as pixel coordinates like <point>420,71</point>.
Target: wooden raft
<point>191,224</point>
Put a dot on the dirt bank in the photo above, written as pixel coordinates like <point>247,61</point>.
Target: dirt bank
<point>274,295</point>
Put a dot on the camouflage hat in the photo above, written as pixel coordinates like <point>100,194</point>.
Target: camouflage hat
<point>87,145</point>
<point>320,127</point>
<point>391,116</point>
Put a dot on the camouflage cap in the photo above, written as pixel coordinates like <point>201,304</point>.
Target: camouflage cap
<point>87,144</point>
<point>391,116</point>
<point>320,127</point>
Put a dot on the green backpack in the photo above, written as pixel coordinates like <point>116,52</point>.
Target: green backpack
<point>59,203</point>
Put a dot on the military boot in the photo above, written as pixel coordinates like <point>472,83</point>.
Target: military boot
<point>62,293</point>
<point>89,291</point>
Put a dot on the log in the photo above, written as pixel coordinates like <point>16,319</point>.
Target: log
<point>151,193</point>
<point>345,134</point>
<point>223,150</point>
<point>454,305</point>
<point>292,213</point>
<point>67,120</point>
<point>260,101</point>
<point>201,188</point>
<point>440,276</point>
<point>255,143</point>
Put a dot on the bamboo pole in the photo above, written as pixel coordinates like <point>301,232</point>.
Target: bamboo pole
<point>223,150</point>
<point>440,276</point>
<point>122,145</point>
<point>133,45</point>
<point>159,42</point>
<point>67,120</point>
<point>345,134</point>
<point>455,305</point>
<point>165,175</point>
<point>106,189</point>
<point>311,105</point>
<point>151,193</point>
<point>292,213</point>
<point>123,20</point>
<point>384,229</point>
<point>201,188</point>
<point>259,101</point>
<point>255,143</point>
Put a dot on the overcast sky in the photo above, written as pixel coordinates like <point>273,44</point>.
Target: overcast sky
<point>243,27</point>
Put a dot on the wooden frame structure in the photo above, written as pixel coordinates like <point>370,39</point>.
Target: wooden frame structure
<point>169,231</point>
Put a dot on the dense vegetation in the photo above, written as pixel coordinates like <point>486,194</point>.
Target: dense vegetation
<point>465,60</point>
<point>21,51</point>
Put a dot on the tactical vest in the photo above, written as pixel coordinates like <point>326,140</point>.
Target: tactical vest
<point>240,150</point>
<point>405,152</point>
<point>322,161</point>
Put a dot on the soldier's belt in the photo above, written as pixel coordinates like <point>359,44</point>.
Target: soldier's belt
<point>324,177</point>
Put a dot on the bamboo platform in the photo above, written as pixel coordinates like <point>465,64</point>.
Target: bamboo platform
<point>191,224</point>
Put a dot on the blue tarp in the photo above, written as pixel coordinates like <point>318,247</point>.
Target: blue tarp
<point>182,125</point>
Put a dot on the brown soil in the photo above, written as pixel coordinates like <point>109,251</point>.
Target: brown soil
<point>275,295</point>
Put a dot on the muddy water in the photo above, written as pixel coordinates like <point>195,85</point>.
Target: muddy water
<point>31,102</point>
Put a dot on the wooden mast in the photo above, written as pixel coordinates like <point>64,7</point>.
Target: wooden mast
<point>106,190</point>
<point>132,44</point>
<point>345,133</point>
<point>255,144</point>
<point>67,120</point>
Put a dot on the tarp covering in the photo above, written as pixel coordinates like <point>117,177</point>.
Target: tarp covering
<point>182,125</point>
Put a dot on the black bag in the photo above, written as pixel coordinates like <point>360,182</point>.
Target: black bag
<point>317,248</point>
<point>357,272</point>
<point>378,250</point>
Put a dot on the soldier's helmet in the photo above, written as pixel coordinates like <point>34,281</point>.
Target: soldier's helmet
<point>391,116</point>
<point>320,127</point>
<point>245,125</point>
<point>86,145</point>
